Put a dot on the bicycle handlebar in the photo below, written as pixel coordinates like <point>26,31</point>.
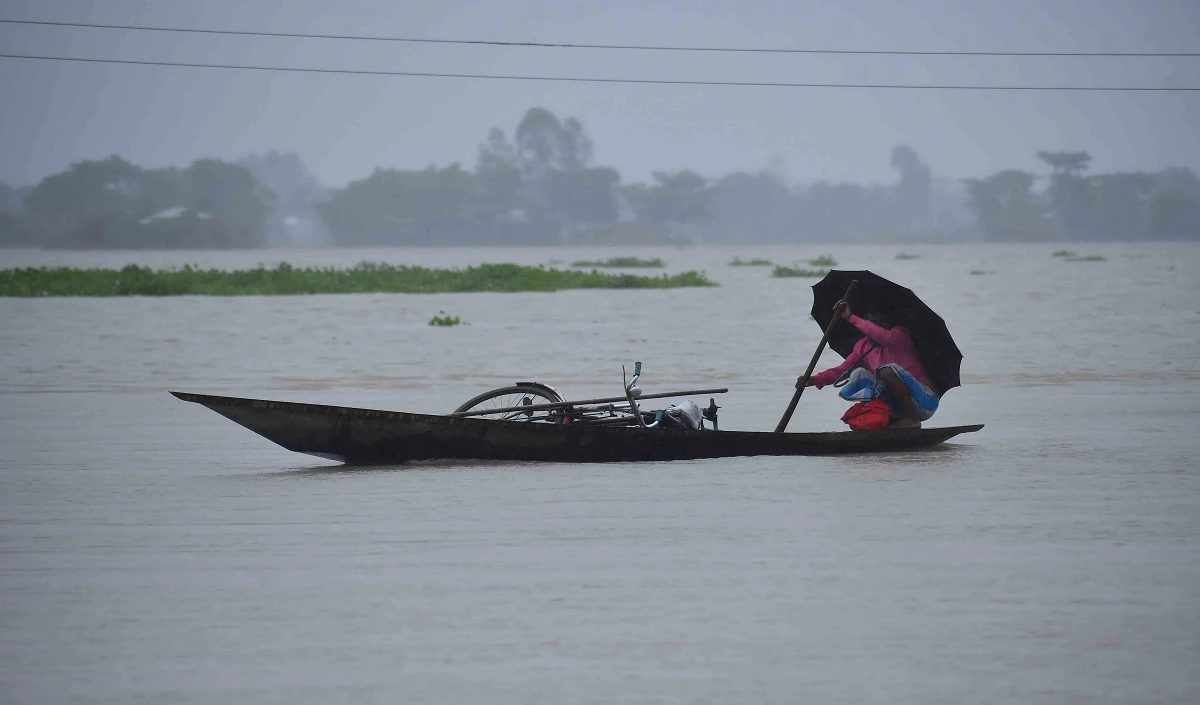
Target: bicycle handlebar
<point>637,372</point>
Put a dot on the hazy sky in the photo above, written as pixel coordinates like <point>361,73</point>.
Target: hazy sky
<point>53,114</point>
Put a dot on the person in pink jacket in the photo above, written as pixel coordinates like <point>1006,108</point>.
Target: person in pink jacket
<point>886,358</point>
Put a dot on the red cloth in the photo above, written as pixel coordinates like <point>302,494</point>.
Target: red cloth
<point>868,415</point>
<point>879,346</point>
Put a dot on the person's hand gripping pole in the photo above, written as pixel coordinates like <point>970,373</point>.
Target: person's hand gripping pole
<point>841,311</point>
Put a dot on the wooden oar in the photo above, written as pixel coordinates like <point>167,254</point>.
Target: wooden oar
<point>803,381</point>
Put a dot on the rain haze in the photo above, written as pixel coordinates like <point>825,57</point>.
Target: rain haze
<point>831,352</point>
<point>344,126</point>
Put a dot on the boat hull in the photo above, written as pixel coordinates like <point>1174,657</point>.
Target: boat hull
<point>359,436</point>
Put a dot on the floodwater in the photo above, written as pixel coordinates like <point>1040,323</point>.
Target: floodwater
<point>152,551</point>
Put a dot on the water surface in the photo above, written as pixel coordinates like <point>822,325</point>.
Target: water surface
<point>152,551</point>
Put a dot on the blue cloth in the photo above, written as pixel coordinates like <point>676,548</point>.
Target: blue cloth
<point>862,385</point>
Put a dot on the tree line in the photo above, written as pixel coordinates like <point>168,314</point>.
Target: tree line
<point>1076,206</point>
<point>538,187</point>
<point>115,204</point>
<point>541,186</point>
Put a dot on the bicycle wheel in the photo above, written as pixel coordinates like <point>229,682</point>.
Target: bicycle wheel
<point>516,395</point>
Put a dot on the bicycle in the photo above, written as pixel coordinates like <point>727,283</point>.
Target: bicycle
<point>535,402</point>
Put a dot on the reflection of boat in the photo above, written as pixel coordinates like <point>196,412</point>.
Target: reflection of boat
<point>369,436</point>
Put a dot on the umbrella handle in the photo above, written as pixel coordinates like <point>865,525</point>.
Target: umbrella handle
<point>803,381</point>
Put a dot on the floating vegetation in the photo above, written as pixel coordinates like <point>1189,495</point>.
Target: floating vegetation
<point>443,320</point>
<point>620,262</point>
<point>904,255</point>
<point>1069,256</point>
<point>981,271</point>
<point>820,267</point>
<point>286,280</point>
<point>781,271</point>
<point>739,262</point>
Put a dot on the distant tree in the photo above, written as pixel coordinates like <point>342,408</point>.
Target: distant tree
<point>583,198</point>
<point>1179,179</point>
<point>1071,196</point>
<point>753,207</point>
<point>543,143</point>
<point>113,203</point>
<point>1113,206</point>
<point>538,142</point>
<point>915,189</point>
<point>1174,209</point>
<point>293,220</point>
<point>286,176</point>
<point>1119,206</point>
<point>1174,215</point>
<point>89,193</point>
<point>500,181</point>
<point>429,207</point>
<point>231,194</point>
<point>1006,208</point>
<point>761,207</point>
<point>17,227</point>
<point>12,198</point>
<point>849,212</point>
<point>497,151</point>
<point>675,200</point>
<point>558,187</point>
<point>534,189</point>
<point>1066,162</point>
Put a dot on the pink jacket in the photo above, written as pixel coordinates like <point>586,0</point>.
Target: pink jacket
<point>879,346</point>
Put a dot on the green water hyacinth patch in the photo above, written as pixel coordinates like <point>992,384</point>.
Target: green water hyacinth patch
<point>287,280</point>
<point>783,272</point>
<point>443,320</point>
<point>618,262</point>
<point>739,262</point>
<point>826,261</point>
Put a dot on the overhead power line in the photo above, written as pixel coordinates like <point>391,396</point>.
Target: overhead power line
<point>631,47</point>
<point>585,79</point>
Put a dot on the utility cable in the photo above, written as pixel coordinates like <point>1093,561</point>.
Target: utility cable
<point>584,79</point>
<point>630,47</point>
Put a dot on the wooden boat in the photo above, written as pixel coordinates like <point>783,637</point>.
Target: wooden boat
<point>358,436</point>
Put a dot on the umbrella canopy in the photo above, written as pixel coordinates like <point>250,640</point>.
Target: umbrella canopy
<point>939,354</point>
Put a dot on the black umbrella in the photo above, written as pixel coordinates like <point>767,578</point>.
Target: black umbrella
<point>939,354</point>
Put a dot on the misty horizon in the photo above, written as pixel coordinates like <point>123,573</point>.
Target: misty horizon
<point>773,167</point>
<point>538,184</point>
<point>344,127</point>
